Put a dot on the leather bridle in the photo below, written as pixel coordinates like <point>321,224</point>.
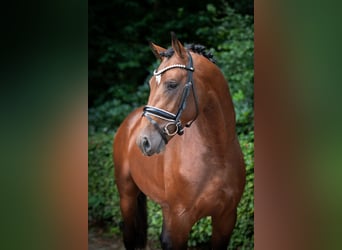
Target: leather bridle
<point>171,118</point>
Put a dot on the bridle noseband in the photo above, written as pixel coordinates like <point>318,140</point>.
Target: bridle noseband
<point>173,119</point>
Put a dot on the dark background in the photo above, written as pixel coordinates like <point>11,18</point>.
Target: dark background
<point>119,32</point>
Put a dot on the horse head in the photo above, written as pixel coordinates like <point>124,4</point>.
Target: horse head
<point>173,101</point>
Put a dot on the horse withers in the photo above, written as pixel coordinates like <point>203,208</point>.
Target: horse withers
<point>182,151</point>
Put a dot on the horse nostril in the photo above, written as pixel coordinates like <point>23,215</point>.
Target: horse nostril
<point>146,144</point>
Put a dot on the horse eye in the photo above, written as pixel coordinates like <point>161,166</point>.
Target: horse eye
<point>171,85</point>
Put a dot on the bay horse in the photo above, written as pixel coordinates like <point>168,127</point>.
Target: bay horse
<point>182,151</point>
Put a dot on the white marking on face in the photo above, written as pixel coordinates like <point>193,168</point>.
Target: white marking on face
<point>158,78</point>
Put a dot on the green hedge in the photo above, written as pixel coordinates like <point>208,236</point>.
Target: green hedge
<point>103,199</point>
<point>231,37</point>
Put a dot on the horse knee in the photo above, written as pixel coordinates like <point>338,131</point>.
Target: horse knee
<point>173,241</point>
<point>165,244</point>
<point>222,228</point>
<point>165,240</point>
<point>168,244</point>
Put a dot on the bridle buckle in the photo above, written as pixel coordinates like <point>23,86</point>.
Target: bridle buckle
<point>167,131</point>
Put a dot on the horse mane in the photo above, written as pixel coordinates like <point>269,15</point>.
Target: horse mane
<point>196,48</point>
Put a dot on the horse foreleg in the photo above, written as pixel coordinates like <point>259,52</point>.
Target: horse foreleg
<point>222,227</point>
<point>175,231</point>
<point>134,213</point>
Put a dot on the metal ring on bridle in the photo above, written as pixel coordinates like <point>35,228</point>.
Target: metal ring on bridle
<point>167,130</point>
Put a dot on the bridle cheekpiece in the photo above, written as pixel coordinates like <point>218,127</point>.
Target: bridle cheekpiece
<point>171,118</point>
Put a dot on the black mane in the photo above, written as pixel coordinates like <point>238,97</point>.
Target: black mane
<point>196,48</point>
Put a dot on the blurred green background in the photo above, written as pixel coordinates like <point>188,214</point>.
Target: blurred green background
<point>120,64</point>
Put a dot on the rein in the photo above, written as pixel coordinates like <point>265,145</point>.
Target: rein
<point>173,119</point>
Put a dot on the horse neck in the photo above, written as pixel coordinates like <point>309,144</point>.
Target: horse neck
<point>216,122</point>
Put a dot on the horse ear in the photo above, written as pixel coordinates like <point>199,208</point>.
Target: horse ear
<point>177,46</point>
<point>157,50</point>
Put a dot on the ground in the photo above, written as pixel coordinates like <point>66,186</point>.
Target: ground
<point>99,240</point>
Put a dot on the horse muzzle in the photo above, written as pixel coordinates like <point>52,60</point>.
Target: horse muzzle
<point>150,142</point>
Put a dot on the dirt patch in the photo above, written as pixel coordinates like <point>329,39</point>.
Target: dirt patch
<point>98,239</point>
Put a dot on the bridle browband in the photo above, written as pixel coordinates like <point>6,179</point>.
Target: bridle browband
<point>173,119</point>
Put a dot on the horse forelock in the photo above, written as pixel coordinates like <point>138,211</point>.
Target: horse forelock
<point>196,48</point>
